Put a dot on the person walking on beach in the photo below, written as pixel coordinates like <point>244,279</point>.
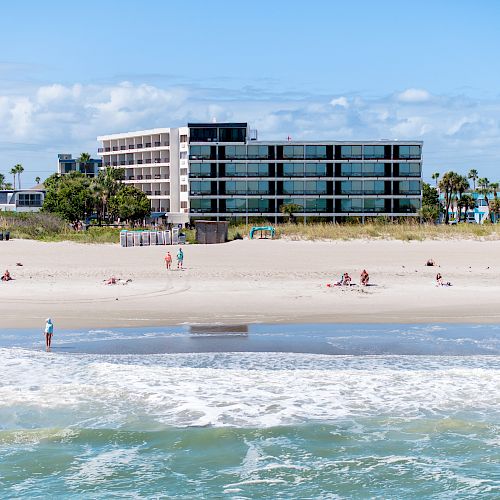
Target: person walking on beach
<point>168,260</point>
<point>49,331</point>
<point>180,258</point>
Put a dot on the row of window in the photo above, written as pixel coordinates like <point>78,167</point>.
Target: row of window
<point>406,205</point>
<point>304,187</point>
<point>29,200</point>
<point>303,170</point>
<point>371,152</point>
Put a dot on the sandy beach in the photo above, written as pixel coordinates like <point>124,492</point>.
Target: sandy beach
<point>248,281</point>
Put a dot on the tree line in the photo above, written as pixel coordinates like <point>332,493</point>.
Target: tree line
<point>16,170</point>
<point>458,196</point>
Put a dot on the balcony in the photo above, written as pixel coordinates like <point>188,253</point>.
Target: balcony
<point>148,193</point>
<point>148,145</point>
<point>148,160</point>
<point>157,176</point>
<point>123,148</point>
<point>131,162</point>
<point>139,162</point>
<point>115,164</point>
<point>131,177</point>
<point>410,191</point>
<point>100,150</point>
<point>139,177</point>
<point>130,146</point>
<point>157,193</point>
<point>107,150</point>
<point>157,160</point>
<point>139,146</point>
<point>148,177</point>
<point>115,148</point>
<point>122,163</point>
<point>157,144</point>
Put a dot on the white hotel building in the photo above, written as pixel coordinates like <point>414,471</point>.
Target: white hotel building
<point>155,161</point>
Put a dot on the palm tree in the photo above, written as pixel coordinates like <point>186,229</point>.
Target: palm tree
<point>449,185</point>
<point>37,180</point>
<point>84,159</point>
<point>2,181</point>
<point>20,169</point>
<point>484,189</point>
<point>473,175</point>
<point>435,176</point>
<point>13,172</point>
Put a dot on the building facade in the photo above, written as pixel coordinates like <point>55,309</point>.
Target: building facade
<point>21,200</point>
<point>66,164</point>
<point>232,175</point>
<point>155,161</point>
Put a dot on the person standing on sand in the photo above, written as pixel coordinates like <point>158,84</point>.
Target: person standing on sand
<point>168,260</point>
<point>49,331</point>
<point>180,258</point>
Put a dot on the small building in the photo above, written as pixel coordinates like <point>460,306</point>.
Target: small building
<point>66,164</point>
<point>211,232</point>
<point>21,200</point>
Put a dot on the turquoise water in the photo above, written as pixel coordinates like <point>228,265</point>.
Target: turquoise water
<point>252,424</point>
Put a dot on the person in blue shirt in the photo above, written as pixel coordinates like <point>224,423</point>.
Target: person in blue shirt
<point>49,331</point>
<point>180,258</point>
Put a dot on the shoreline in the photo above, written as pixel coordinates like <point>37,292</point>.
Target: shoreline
<point>250,282</point>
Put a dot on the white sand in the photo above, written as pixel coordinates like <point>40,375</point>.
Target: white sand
<point>248,281</point>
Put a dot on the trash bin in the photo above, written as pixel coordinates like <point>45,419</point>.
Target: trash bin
<point>7,236</point>
<point>1,236</point>
<point>123,238</point>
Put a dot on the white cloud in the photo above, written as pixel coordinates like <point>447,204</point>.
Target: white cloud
<point>341,102</point>
<point>413,95</point>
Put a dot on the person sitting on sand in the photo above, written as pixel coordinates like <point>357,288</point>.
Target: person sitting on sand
<point>440,282</point>
<point>110,281</point>
<point>6,276</point>
<point>430,262</point>
<point>346,279</point>
<point>365,277</point>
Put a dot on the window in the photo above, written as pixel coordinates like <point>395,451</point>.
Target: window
<point>236,170</point>
<point>200,187</point>
<point>351,170</point>
<point>237,152</point>
<point>411,152</point>
<point>29,200</point>
<point>203,134</point>
<point>407,205</point>
<point>315,170</point>
<point>316,152</point>
<point>183,138</point>
<point>233,134</point>
<point>200,170</point>
<point>293,170</point>
<point>293,187</point>
<point>236,205</point>
<point>184,188</point>
<point>258,169</point>
<point>258,152</point>
<point>200,205</point>
<point>373,187</point>
<point>373,169</point>
<point>351,205</point>
<point>374,205</point>
<point>184,204</point>
<point>292,152</point>
<point>350,152</point>
<point>351,187</point>
<point>236,187</point>
<point>258,187</point>
<point>308,204</point>
<point>200,153</point>
<point>184,171</point>
<point>409,187</point>
<point>256,205</point>
<point>183,155</point>
<point>374,152</point>
<point>409,169</point>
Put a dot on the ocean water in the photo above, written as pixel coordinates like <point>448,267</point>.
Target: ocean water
<point>289,411</point>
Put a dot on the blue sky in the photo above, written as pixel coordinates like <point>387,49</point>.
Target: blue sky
<point>70,71</point>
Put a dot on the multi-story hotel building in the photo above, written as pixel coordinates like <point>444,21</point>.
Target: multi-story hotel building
<point>155,161</point>
<point>233,175</point>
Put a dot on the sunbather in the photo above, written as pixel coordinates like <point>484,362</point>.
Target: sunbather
<point>6,276</point>
<point>440,281</point>
<point>365,277</point>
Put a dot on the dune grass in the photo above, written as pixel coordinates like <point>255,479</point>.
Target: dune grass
<point>49,227</point>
